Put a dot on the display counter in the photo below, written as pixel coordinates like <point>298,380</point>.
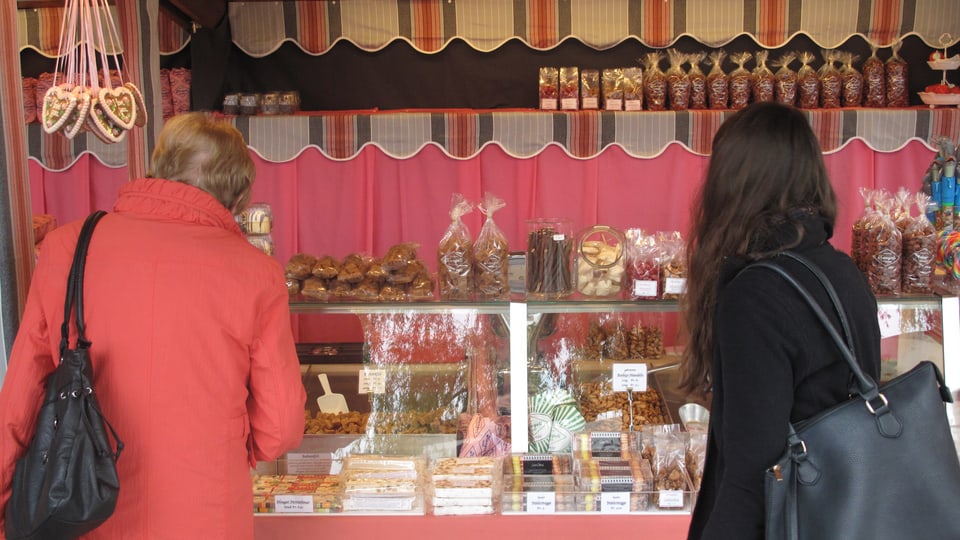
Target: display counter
<point>661,527</point>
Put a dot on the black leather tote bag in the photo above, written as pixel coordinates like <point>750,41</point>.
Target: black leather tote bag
<point>879,466</point>
<point>66,484</point>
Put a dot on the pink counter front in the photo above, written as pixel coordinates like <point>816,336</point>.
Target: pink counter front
<point>547,526</point>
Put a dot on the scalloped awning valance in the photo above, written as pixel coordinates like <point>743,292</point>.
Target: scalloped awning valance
<point>259,28</point>
<point>522,134</point>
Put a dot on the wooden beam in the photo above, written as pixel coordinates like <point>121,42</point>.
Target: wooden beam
<point>208,13</point>
<point>36,4</point>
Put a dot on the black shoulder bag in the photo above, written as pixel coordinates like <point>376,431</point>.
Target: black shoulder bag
<point>880,466</point>
<point>66,484</point>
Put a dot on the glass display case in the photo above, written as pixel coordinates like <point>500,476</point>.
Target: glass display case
<point>428,368</point>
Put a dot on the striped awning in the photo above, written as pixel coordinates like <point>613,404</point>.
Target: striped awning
<point>522,134</point>
<point>259,28</point>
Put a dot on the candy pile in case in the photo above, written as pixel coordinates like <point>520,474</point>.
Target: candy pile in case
<point>464,485</point>
<point>295,493</point>
<point>538,483</point>
<point>387,484</point>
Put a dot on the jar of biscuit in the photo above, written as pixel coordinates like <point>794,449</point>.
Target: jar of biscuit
<point>600,262</point>
<point>549,258</point>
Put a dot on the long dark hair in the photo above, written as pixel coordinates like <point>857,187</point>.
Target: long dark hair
<point>765,165</point>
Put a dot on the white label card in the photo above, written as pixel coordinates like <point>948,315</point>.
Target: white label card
<point>889,318</point>
<point>675,285</point>
<point>645,288</point>
<point>633,105</point>
<point>613,104</point>
<point>372,381</point>
<point>570,104</point>
<point>629,377</point>
<point>615,502</point>
<point>670,498</point>
<point>590,102</point>
<point>293,504</point>
<point>548,104</point>
<point>541,502</point>
<point>307,463</point>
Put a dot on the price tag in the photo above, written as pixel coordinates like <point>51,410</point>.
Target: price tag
<point>541,502</point>
<point>570,104</point>
<point>548,104</point>
<point>559,237</point>
<point>590,102</point>
<point>615,503</point>
<point>372,381</point>
<point>293,504</point>
<point>629,377</point>
<point>633,105</point>
<point>645,288</point>
<point>307,463</point>
<point>889,317</point>
<point>675,285</point>
<point>670,498</point>
<point>613,104</point>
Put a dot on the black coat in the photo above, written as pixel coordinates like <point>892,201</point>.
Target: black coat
<point>773,362</point>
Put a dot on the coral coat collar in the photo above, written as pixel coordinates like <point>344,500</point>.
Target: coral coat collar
<point>157,198</point>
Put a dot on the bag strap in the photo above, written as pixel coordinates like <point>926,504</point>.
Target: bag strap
<point>75,285</point>
<point>866,387</point>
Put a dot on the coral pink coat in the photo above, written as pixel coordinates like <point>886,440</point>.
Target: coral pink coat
<point>194,361</point>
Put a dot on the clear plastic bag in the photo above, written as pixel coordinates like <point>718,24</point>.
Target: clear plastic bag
<point>831,81</point>
<point>718,91</point>
<point>455,254</point>
<point>786,89</point>
<point>491,255</point>
<point>919,250</point>
<point>741,81</point>
<point>808,82</point>
<point>852,81</point>
<point>698,81</point>
<point>874,80</point>
<point>764,81</point>
<point>678,81</point>
<point>654,82</point>
<point>898,81</point>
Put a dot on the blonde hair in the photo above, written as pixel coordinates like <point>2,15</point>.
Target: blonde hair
<point>210,154</point>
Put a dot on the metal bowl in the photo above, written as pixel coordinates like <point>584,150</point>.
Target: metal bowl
<point>694,416</point>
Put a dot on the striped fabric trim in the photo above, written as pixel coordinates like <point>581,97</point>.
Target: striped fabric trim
<point>429,25</point>
<point>521,134</point>
<point>17,229</point>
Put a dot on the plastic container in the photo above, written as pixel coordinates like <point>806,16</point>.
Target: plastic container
<point>600,262</point>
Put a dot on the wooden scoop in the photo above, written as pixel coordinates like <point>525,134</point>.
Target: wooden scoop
<point>328,402</point>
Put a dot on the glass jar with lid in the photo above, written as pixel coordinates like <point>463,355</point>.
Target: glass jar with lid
<point>600,262</point>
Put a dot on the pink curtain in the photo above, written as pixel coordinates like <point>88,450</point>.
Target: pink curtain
<point>367,204</point>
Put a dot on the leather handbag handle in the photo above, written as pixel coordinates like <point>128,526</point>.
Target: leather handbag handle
<point>75,285</point>
<point>866,387</point>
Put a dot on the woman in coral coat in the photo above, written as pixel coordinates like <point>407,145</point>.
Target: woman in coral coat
<point>194,361</point>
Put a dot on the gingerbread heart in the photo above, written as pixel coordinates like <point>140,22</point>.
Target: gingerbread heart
<point>141,119</point>
<point>119,105</point>
<point>59,103</point>
<point>79,114</point>
<point>103,125</point>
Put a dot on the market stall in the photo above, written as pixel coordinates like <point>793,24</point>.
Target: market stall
<point>371,160</point>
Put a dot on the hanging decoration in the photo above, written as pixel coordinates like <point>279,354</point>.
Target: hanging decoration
<point>80,99</point>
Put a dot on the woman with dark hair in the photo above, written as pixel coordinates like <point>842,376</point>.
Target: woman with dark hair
<point>755,345</point>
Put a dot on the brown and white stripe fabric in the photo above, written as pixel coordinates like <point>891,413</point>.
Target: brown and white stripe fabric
<point>137,24</point>
<point>16,231</point>
<point>522,134</point>
<point>429,25</point>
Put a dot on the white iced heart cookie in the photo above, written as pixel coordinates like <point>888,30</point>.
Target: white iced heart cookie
<point>141,117</point>
<point>58,104</point>
<point>119,105</point>
<point>78,116</point>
